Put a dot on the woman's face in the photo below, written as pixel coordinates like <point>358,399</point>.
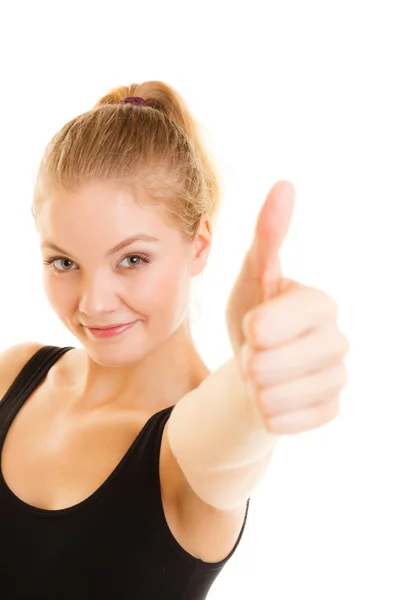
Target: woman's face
<point>92,283</point>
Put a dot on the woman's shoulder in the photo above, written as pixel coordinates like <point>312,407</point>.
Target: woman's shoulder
<point>12,360</point>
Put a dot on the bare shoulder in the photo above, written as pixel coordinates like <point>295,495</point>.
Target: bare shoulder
<point>12,360</point>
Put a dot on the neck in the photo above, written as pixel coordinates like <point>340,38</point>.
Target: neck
<point>155,382</point>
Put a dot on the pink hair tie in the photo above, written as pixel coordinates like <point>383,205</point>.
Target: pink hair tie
<point>134,100</point>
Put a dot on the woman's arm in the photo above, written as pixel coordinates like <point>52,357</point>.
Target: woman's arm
<point>219,439</point>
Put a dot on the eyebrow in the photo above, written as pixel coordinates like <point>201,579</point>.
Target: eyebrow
<point>134,238</point>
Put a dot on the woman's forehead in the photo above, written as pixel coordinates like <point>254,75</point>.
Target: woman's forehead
<point>74,222</point>
<point>98,207</point>
<point>105,195</point>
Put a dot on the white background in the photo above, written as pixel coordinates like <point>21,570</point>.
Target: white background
<point>304,91</point>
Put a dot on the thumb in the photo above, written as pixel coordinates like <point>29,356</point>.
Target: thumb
<point>271,228</point>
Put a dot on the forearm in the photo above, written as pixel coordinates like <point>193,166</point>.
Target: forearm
<point>217,426</point>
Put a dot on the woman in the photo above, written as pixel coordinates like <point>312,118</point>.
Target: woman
<point>93,500</point>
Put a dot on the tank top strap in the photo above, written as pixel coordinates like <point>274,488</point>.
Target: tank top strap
<point>32,373</point>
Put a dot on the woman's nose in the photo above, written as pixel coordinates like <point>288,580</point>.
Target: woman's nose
<point>98,295</point>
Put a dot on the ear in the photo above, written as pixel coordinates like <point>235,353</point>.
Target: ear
<point>201,244</point>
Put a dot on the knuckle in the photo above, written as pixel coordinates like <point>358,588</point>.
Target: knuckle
<point>341,342</point>
<point>334,379</point>
<point>246,358</point>
<point>343,376</point>
<point>272,403</point>
<point>331,304</point>
<point>263,328</point>
<point>253,368</point>
<point>346,345</point>
<point>248,325</point>
<point>333,408</point>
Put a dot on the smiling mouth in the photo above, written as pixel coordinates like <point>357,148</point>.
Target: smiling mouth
<point>110,326</point>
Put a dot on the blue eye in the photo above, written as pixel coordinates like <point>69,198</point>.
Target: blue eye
<point>51,261</point>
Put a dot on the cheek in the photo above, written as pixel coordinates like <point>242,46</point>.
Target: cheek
<point>58,294</point>
<point>167,292</point>
<point>162,294</point>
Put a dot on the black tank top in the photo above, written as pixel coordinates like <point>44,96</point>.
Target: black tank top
<point>115,544</point>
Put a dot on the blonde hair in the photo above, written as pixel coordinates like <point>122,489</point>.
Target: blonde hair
<point>157,148</point>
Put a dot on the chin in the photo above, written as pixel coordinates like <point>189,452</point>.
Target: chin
<point>114,356</point>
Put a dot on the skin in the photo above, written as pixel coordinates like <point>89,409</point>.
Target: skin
<point>154,363</point>
<point>285,333</point>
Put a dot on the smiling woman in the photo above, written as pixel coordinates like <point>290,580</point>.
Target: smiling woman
<point>97,282</point>
<point>126,196</point>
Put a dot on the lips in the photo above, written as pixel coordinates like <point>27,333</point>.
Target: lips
<point>110,331</point>
<point>109,326</point>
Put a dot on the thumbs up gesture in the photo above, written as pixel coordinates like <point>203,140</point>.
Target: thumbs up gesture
<point>285,334</point>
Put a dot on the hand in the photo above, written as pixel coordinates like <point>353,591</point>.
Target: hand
<point>285,334</point>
